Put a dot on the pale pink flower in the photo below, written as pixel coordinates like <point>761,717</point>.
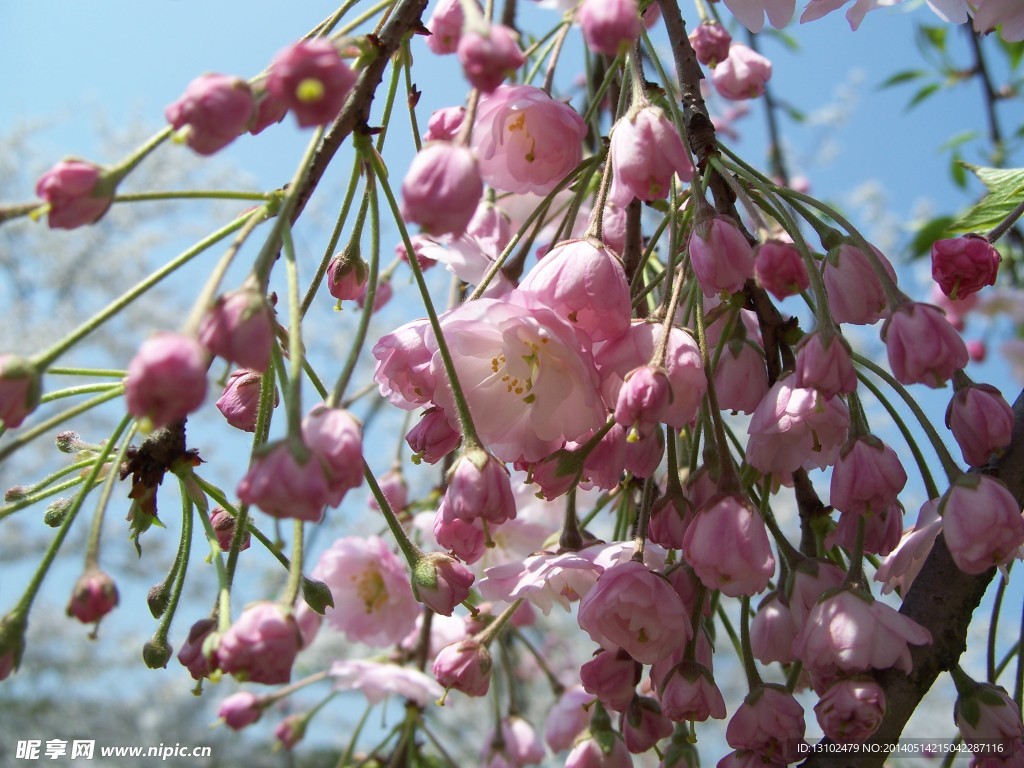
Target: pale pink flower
<point>75,192</point>
<point>646,151</point>
<point>464,666</point>
<point>780,268</point>
<point>851,710</point>
<point>643,725</point>
<point>710,41</point>
<point>612,676</point>
<point>335,437</point>
<point>981,522</point>
<point>241,709</point>
<point>489,55</point>
<point>855,293</point>
<point>445,27</point>
<point>923,347</point>
<point>811,579</point>
<point>741,378</point>
<point>609,26</point>
<point>957,311</point>
<point>981,421</point>
<point>283,486</point>
<point>20,390</point>
<point>312,80</point>
<point>441,189</point>
<point>882,530</point>
<point>727,546</point>
<point>643,455</point>
<point>567,719</point>
<point>432,437</point>
<point>261,645</point>
<point>166,379</point>
<point>590,754</point>
<point>986,714</point>
<point>1005,14</point>
<point>867,477</point>
<point>720,255</point>
<point>605,464</point>
<point>379,680</point>
<point>772,631</point>
<point>743,74</point>
<point>751,13</point>
<point>402,368</point>
<point>825,365</point>
<point>373,600</point>
<point>671,514</point>
<point>899,569</point>
<point>690,693</point>
<point>239,402</point>
<point>479,486</point>
<point>525,140</point>
<point>444,124</point>
<point>239,328</point>
<point>465,538</point>
<point>544,579</point>
<point>517,746</point>
<point>769,722</point>
<point>215,108</point>
<point>444,630</point>
<point>855,15</point>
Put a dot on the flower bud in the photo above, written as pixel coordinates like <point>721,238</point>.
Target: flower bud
<point>981,421</point>
<point>964,265</point>
<point>241,709</point>
<point>851,710</point>
<point>239,403</point>
<point>223,523</point>
<point>191,654</point>
<point>441,190</point>
<point>780,269</point>
<point>20,390</point>
<point>261,645</point>
<point>283,486</point>
<point>311,78</point>
<point>346,276</point>
<point>710,42</point>
<point>488,57</point>
<point>981,522</point>
<point>743,74</point>
<point>441,582</point>
<point>335,438</point>
<point>166,379</point>
<point>76,194</point>
<point>609,26</point>
<point>214,110</point>
<point>464,666</point>
<point>720,255</point>
<point>156,653</point>
<point>445,27</point>
<point>94,596</point>
<point>240,328</point>
<point>923,347</point>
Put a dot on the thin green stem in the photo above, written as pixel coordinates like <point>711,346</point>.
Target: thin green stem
<point>291,592</point>
<point>194,194</point>
<point>33,498</point>
<point>411,552</point>
<point>92,548</point>
<point>293,395</point>
<point>114,373</point>
<point>84,389</point>
<point>181,566</point>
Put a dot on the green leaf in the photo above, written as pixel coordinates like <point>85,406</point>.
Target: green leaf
<point>1005,192</point>
<point>794,114</point>
<point>1014,52</point>
<point>786,39</point>
<point>933,230</point>
<point>922,94</point>
<point>933,36</point>
<point>903,77</point>
<point>957,171</point>
<point>955,141</point>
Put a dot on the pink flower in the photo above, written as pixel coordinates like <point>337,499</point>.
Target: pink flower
<point>710,41</point>
<point>982,523</point>
<point>166,379</point>
<point>585,284</point>
<point>373,601</point>
<point>670,517</point>
<point>727,546</point>
<point>743,74</point>
<point>516,745</point>
<point>432,438</point>
<point>867,478</point>
<point>899,569</point>
<point>851,632</point>
<point>882,530</point>
<point>636,610</point>
<point>464,666</point>
<point>223,523</point>
<point>612,676</point>
<point>769,722</point>
<point>851,710</point>
<point>964,265</point>
<point>855,293</point>
<point>479,487</point>
<point>93,597</point>
<point>741,378</point>
<point>379,680</point>
<point>311,78</point>
<point>643,725</point>
<point>261,645</point>
<point>750,13</point>
<point>239,328</point>
<point>239,402</point>
<point>346,276</point>
<point>335,438</point>
<point>855,15</point>
<point>811,579</point>
<point>780,269</point>
<point>290,731</point>
<point>241,709</point>
<point>567,719</point>
<point>465,538</point>
<point>489,56</point>
<point>772,631</point>
<point>981,421</point>
<point>441,582</point>
<point>690,693</point>
<point>525,140</point>
<point>445,27</point>
<point>76,193</point>
<point>986,714</point>
<point>825,364</point>
<point>20,390</point>
<point>544,579</point>
<point>216,109</point>
<point>283,486</point>
<point>395,489</point>
<point>591,754</point>
<point>720,255</point>
<point>646,151</point>
<point>270,110</point>
<point>441,190</point>
<point>191,654</point>
<point>609,26</point>
<point>445,123</point>
<point>403,371</point>
<point>923,347</point>
<point>1006,14</point>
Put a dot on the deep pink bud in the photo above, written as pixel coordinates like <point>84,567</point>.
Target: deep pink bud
<point>923,347</point>
<point>223,523</point>
<point>769,722</point>
<point>643,399</point>
<point>855,294</point>
<point>261,645</point>
<point>977,349</point>
<point>216,109</point>
<point>441,190</point>
<point>270,110</point>
<point>283,486</point>
<point>720,255</point>
<point>479,487</point>
<point>441,582</point>
<point>311,78</point>
<point>335,437</point>
<point>981,421</point>
<point>432,438</point>
<point>240,401</point>
<point>445,27</point>
<point>646,151</point>
<point>690,693</point>
<point>851,710</point>
<point>464,666</point>
<point>93,597</point>
<point>742,74</point>
<point>670,516</point>
<point>20,390</point>
<point>612,676</point>
<point>710,42</point>
<point>166,379</point>
<point>75,193</point>
<point>727,546</point>
<point>463,537</point>
<point>964,265</point>
<point>191,654</point>
<point>643,725</point>
<point>867,478</point>
<point>982,523</point>
<point>825,365</point>
<point>780,269</point>
<point>382,295</point>
<point>609,26</point>
<point>240,328</point>
<point>445,123</point>
<point>488,57</point>
<point>346,276</point>
<point>241,709</point>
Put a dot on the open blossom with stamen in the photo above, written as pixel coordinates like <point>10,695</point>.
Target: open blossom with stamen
<point>373,600</point>
<point>543,579</point>
<point>378,680</point>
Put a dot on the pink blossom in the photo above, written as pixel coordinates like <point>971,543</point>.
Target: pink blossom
<point>923,347</point>
<point>567,719</point>
<point>741,378</point>
<point>261,645</point>
<point>223,523</point>
<point>643,725</point>
<point>636,610</point>
<point>346,276</point>
<point>851,710</point>
<point>283,486</point>
<point>191,654</point>
<point>402,369</point>
<point>395,490</point>
<point>855,294</point>
<point>584,283</point>
<point>772,631</point>
<point>432,437</point>
<point>982,523</point>
<point>964,265</point>
<point>525,140</point>
<point>441,582</point>
<point>239,328</point>
<point>445,27</point>
<point>465,538</point>
<point>957,311</point>
<point>382,294</point>
<point>882,530</point>
<point>710,41</point>
<point>867,477</point>
<point>270,110</point>
<point>855,15</point>
<point>1005,14</point>
<point>590,754</point>
<point>216,109</point>
<point>780,269</point>
<point>986,714</point>
<point>240,401</point>
<point>609,26</point>
<point>750,13</point>
<point>373,601</point>
<point>643,456</point>
<point>241,709</point>
<point>479,487</point>
<point>727,546</point>
<point>20,390</point>
<point>612,676</point>
<point>769,722</point>
<point>464,666</point>
<point>335,438</point>
<point>378,680</point>
<point>441,190</point>
<point>670,517</point>
<point>811,579</point>
<point>720,255</point>
<point>543,579</point>
<point>76,193</point>
<point>166,379</point>
<point>690,693</point>
<point>93,597</point>
<point>311,78</point>
<point>489,56</point>
<point>981,421</point>
<point>899,569</point>
<point>851,632</point>
<point>605,464</point>
<point>743,74</point>
<point>825,364</point>
<point>645,151</point>
<point>517,746</point>
<point>445,123</point>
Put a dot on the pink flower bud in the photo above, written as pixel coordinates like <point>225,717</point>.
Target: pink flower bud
<point>166,379</point>
<point>591,754</point>
<point>670,517</point>
<point>432,438</point>
<point>270,110</point>
<point>855,294</point>
<point>882,530</point>
<point>479,487</point>
<point>612,676</point>
<point>721,257</point>
<point>223,523</point>
<point>396,491</point>
<point>463,537</point>
<point>964,265</point>
<point>282,486</point>
<point>442,188</point>
<point>690,693</point>
<point>445,123</point>
<point>567,719</point>
<point>517,744</point>
<point>867,478</point>
<point>923,347</point>
<point>381,296</point>
<point>643,725</point>
<point>191,654</point>
<point>643,456</point>
<point>489,56</point>
<point>986,714</point>
<point>851,710</point>
<point>977,349</point>
<point>646,151</point>
<point>346,276</point>
<point>75,193</point>
<point>216,109</point>
<point>811,579</point>
<point>241,709</point>
<point>982,523</point>
<point>94,596</point>
<point>441,582</point>
<point>643,399</point>
<point>464,666</point>
<point>772,631</point>
<point>335,437</point>
<point>20,390</point>
<point>240,401</point>
<point>710,42</point>
<point>261,645</point>
<point>770,723</point>
<point>609,26</point>
<point>981,421</point>
<point>239,328</point>
<point>742,74</point>
<point>825,365</point>
<point>901,567</point>
<point>291,730</point>
<point>741,378</point>
<point>311,78</point>
<point>780,269</point>
<point>445,27</point>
